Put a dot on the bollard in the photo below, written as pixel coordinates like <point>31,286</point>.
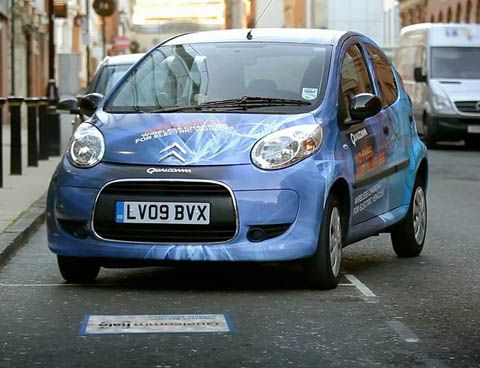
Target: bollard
<point>32,103</point>
<point>2,102</point>
<point>54,130</point>
<point>44,144</point>
<point>15,105</point>
<point>53,119</point>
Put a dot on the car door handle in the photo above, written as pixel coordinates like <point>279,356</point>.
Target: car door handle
<point>386,130</point>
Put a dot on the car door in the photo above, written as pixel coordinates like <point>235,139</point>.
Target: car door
<point>396,119</point>
<point>365,141</point>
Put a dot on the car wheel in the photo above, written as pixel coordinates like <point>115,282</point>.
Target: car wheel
<point>408,236</point>
<point>472,142</point>
<point>77,270</point>
<point>428,136</point>
<point>322,269</point>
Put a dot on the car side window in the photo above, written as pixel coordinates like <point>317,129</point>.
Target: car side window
<point>354,79</point>
<point>384,75</point>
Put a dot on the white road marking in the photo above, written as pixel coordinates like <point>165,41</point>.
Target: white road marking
<point>156,323</point>
<point>360,286</point>
<point>404,332</point>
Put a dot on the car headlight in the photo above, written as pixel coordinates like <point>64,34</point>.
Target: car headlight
<point>287,146</point>
<point>87,146</point>
<point>442,104</point>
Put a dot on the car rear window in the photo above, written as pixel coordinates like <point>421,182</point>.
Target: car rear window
<point>384,75</point>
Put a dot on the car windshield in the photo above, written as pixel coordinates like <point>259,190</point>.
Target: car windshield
<point>258,77</point>
<point>455,62</point>
<point>109,75</point>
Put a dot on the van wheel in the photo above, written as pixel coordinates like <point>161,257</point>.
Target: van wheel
<point>322,269</point>
<point>78,270</point>
<point>428,133</point>
<point>408,237</point>
<point>472,142</point>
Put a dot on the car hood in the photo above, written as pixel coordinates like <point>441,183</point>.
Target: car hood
<point>459,89</point>
<point>180,139</point>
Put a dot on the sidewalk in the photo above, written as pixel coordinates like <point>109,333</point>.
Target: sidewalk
<point>20,208</point>
<point>20,191</point>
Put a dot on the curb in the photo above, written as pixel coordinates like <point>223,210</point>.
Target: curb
<point>19,232</point>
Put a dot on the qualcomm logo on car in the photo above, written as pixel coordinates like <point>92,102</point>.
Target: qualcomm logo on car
<point>174,150</point>
<point>153,170</point>
<point>355,137</point>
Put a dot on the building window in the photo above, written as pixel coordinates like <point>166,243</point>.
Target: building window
<point>458,15</point>
<point>440,17</point>
<point>411,14</point>
<point>478,12</point>
<point>449,15</point>
<point>432,19</point>
<point>420,14</point>
<point>468,15</point>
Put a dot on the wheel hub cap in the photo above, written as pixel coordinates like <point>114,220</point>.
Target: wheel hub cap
<point>419,215</point>
<point>335,241</point>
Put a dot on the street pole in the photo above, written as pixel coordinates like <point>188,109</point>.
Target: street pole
<point>51,41</point>
<point>2,102</point>
<point>52,90</point>
<point>87,19</point>
<point>104,37</point>
<point>308,13</point>
<point>12,49</point>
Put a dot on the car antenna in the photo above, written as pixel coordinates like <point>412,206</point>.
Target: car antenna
<point>249,34</point>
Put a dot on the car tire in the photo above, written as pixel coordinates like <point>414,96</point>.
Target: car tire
<point>472,142</point>
<point>323,268</point>
<point>78,270</point>
<point>428,136</point>
<point>408,237</point>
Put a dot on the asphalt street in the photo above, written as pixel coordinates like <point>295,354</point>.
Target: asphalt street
<point>387,312</point>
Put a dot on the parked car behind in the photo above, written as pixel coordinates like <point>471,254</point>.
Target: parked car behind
<point>439,64</point>
<point>275,145</point>
<point>109,72</point>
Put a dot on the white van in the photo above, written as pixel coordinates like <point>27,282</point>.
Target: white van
<point>440,66</point>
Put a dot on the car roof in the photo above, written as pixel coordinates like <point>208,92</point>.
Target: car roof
<point>288,35</point>
<point>122,59</point>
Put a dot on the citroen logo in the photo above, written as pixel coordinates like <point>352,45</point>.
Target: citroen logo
<point>477,106</point>
<point>174,150</point>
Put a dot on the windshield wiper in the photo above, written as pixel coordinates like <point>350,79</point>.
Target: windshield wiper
<point>243,103</point>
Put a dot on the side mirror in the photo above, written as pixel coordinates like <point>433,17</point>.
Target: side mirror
<point>70,106</point>
<point>363,106</point>
<point>88,104</point>
<point>418,75</point>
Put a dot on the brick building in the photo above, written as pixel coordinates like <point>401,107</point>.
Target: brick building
<point>439,11</point>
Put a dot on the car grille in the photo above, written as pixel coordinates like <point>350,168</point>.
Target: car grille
<point>467,106</point>
<point>223,221</point>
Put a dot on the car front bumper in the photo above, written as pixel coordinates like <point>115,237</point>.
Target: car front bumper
<point>262,198</point>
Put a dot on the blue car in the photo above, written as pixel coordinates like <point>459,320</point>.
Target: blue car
<point>233,146</point>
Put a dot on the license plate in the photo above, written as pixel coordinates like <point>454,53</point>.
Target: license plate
<point>162,213</point>
<point>474,128</point>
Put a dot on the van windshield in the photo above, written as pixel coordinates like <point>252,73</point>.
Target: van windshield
<point>455,62</point>
<point>281,78</point>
